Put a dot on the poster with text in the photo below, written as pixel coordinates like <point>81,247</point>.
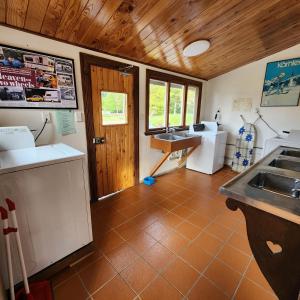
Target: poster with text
<point>282,83</point>
<point>36,80</point>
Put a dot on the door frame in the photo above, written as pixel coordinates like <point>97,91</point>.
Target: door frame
<point>86,61</point>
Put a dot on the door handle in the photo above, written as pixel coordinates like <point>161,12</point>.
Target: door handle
<point>99,140</point>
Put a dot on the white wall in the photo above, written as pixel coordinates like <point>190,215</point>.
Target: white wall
<point>33,117</point>
<point>247,82</point>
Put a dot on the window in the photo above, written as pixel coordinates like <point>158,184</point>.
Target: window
<point>114,108</point>
<point>157,104</point>
<point>191,105</point>
<point>171,101</point>
<point>176,104</point>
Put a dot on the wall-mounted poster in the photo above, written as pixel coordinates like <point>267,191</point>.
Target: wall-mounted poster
<point>36,80</point>
<point>282,83</point>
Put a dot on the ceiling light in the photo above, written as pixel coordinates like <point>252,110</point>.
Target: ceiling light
<point>196,48</point>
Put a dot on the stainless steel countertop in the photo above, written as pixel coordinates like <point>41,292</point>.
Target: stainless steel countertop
<point>280,205</point>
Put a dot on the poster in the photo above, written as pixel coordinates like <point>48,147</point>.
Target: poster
<point>36,80</point>
<point>282,83</point>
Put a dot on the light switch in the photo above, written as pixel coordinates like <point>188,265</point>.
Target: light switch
<point>78,116</point>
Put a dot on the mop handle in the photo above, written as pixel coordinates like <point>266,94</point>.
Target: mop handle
<point>6,231</point>
<point>12,208</point>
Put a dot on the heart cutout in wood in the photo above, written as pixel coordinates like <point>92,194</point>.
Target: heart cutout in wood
<point>275,248</point>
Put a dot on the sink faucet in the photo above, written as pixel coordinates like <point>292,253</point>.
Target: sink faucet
<point>170,130</point>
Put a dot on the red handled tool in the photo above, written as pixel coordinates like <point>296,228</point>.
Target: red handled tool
<point>37,290</point>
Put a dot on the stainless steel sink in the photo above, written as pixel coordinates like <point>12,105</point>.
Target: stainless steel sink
<point>169,137</point>
<point>277,184</point>
<point>285,164</point>
<point>184,134</point>
<point>290,153</point>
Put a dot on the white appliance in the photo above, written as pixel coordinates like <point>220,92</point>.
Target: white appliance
<point>49,186</point>
<point>209,155</point>
<point>292,140</point>
<point>15,137</point>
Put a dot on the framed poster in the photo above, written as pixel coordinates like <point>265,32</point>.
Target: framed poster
<point>282,83</point>
<point>36,80</point>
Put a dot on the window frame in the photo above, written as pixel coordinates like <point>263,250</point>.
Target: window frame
<point>168,78</point>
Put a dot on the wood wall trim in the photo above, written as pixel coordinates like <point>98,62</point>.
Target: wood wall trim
<point>86,61</point>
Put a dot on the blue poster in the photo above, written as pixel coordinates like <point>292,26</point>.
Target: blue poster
<point>282,83</point>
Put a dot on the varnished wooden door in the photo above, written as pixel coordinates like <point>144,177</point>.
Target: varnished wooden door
<point>114,143</point>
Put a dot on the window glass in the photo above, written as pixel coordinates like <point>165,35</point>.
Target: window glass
<point>176,104</point>
<point>157,104</point>
<point>114,108</point>
<point>191,103</point>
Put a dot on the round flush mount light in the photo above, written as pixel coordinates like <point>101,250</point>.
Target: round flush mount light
<point>196,48</point>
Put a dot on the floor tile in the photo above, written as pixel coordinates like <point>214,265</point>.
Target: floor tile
<point>196,257</point>
<point>158,230</point>
<point>224,277</point>
<point>96,274</point>
<point>71,289</point>
<point>62,276</point>
<point>88,260</point>
<point>141,242</point>
<point>199,220</point>
<point>173,229</point>
<point>228,219</point>
<point>174,242</point>
<point>171,220</point>
<point>138,275</point>
<point>116,289</point>
<point>219,231</point>
<point>122,256</point>
<point>182,211</point>
<point>128,229</point>
<point>158,256</point>
<point>182,197</point>
<point>240,243</point>
<point>168,204</point>
<point>249,291</point>
<point>108,241</point>
<point>254,273</point>
<point>205,290</point>
<point>236,259</point>
<point>188,230</point>
<point>160,289</point>
<point>208,243</point>
<point>181,275</point>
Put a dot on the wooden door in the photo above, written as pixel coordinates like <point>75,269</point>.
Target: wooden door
<point>113,117</point>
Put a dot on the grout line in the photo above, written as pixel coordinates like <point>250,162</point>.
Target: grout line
<point>210,263</point>
<point>241,279</point>
<point>176,255</point>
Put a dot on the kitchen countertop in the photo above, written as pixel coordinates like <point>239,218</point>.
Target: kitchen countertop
<point>286,207</point>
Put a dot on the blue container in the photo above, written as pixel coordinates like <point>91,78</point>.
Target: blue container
<point>149,180</point>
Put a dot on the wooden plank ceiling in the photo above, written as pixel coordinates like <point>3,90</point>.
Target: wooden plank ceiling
<point>156,31</point>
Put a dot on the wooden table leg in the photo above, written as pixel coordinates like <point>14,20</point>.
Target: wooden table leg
<point>158,165</point>
<point>183,160</point>
<point>281,268</point>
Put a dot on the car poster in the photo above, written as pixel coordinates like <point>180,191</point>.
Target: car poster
<point>36,80</point>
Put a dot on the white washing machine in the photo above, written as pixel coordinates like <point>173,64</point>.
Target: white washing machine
<point>209,156</point>
<point>292,140</point>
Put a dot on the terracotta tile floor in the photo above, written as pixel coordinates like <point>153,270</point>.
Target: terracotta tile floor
<point>174,240</point>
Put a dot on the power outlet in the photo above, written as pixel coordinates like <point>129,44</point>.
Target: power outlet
<point>46,115</point>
